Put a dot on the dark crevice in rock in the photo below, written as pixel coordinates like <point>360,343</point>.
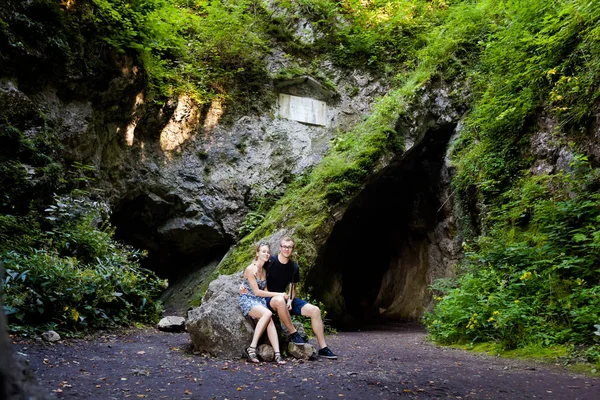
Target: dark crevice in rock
<point>382,255</point>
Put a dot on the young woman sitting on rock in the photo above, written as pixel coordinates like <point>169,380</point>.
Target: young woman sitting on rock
<point>253,303</point>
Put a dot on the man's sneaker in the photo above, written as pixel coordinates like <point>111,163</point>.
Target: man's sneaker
<point>297,339</point>
<point>326,353</point>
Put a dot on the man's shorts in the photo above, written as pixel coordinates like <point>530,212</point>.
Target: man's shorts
<point>297,305</point>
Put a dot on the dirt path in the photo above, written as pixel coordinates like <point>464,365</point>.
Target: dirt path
<point>389,363</point>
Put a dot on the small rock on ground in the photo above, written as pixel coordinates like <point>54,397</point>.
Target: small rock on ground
<point>50,336</point>
<point>171,324</point>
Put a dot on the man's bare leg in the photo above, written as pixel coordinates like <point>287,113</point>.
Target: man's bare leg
<point>278,304</point>
<point>314,313</point>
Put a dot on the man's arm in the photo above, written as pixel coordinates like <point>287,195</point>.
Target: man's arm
<point>295,278</point>
<point>291,295</point>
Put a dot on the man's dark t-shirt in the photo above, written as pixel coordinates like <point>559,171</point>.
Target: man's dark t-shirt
<point>280,275</point>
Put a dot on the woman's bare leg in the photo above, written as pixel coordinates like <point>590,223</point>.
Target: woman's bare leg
<point>272,335</point>
<point>263,315</point>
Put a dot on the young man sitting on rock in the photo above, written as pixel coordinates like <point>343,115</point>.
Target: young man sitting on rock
<point>282,272</point>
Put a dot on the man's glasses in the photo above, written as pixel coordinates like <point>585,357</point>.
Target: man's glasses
<point>287,247</point>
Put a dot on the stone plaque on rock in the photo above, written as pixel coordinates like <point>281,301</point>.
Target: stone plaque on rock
<point>302,109</point>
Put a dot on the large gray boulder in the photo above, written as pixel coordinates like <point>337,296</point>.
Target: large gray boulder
<point>218,327</point>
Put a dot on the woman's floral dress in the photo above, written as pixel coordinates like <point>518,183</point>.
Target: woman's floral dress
<point>249,300</point>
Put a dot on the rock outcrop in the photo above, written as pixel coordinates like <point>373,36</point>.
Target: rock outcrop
<point>218,327</point>
<point>180,176</point>
<point>16,379</point>
<point>181,185</point>
<point>190,199</point>
<point>384,247</point>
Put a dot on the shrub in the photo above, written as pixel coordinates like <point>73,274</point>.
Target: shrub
<point>77,276</point>
<point>533,277</point>
<point>43,288</point>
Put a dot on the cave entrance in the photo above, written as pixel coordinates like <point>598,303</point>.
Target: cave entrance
<point>377,263</point>
<point>176,245</point>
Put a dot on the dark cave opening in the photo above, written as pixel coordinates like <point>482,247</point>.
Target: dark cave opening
<point>172,254</point>
<point>374,265</point>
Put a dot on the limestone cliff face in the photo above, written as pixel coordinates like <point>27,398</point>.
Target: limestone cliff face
<point>181,176</point>
<point>180,179</point>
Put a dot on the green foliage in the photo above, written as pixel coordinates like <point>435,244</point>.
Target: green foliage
<point>533,278</point>
<point>535,56</point>
<point>252,220</point>
<point>28,169</point>
<point>259,205</point>
<point>379,35</point>
<point>204,49</point>
<point>18,233</point>
<point>77,277</point>
<point>62,267</point>
<point>212,46</point>
<point>44,289</point>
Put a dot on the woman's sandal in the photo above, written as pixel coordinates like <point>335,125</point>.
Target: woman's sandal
<point>278,359</point>
<point>251,352</point>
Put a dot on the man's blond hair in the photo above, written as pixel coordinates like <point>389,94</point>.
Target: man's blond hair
<point>286,239</point>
